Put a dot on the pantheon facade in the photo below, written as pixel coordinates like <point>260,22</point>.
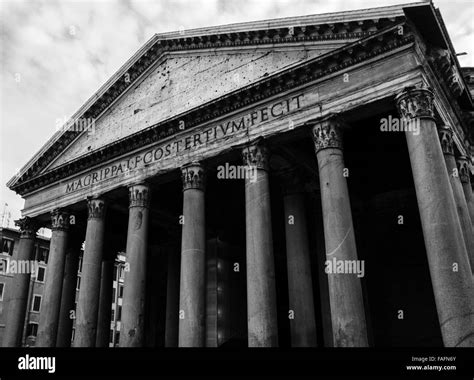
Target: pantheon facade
<point>296,182</point>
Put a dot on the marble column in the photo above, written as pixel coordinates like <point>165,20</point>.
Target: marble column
<point>463,168</point>
<point>446,140</point>
<point>18,293</point>
<point>51,303</point>
<point>133,306</point>
<point>192,299</point>
<point>105,303</point>
<point>300,283</point>
<point>345,289</point>
<point>172,299</point>
<point>261,290</point>
<point>68,295</point>
<point>88,301</point>
<point>447,257</point>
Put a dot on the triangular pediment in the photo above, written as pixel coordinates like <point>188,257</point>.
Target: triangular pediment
<point>178,83</point>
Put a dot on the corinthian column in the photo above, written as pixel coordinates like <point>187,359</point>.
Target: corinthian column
<point>447,256</point>
<point>49,317</point>
<point>345,290</point>
<point>446,140</point>
<point>192,300</point>
<point>463,167</point>
<point>133,306</point>
<point>261,291</point>
<point>88,302</point>
<point>18,300</point>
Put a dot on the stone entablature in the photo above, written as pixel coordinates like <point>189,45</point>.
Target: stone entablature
<point>305,105</point>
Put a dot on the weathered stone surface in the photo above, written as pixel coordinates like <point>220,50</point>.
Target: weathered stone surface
<point>384,80</point>
<point>261,291</point>
<point>180,83</point>
<point>18,299</point>
<point>345,290</point>
<point>88,300</point>
<point>133,306</point>
<point>447,255</point>
<point>192,300</point>
<point>51,304</point>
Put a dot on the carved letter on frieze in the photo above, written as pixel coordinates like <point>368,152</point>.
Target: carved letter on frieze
<point>328,134</point>
<point>96,208</point>
<point>415,103</point>
<point>446,139</point>
<point>28,227</point>
<point>59,220</point>
<point>193,176</point>
<point>256,155</point>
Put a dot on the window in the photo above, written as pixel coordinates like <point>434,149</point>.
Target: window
<point>78,285</point>
<point>121,291</point>
<point>32,329</point>
<point>115,271</point>
<point>7,246</point>
<point>111,338</point>
<point>112,315</point>
<point>41,274</point>
<point>2,288</point>
<point>80,263</point>
<point>117,337</point>
<point>113,294</point>
<point>3,266</point>
<point>36,306</point>
<point>43,254</point>
<point>121,272</point>
<point>119,313</point>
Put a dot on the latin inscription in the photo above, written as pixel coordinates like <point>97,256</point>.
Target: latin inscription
<point>187,143</point>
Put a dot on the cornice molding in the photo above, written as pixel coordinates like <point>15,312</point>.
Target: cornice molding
<point>340,59</point>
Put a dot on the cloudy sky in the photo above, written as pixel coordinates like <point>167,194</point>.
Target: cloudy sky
<point>56,54</point>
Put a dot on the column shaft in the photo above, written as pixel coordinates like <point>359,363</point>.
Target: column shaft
<point>51,304</point>
<point>193,260</point>
<point>18,294</point>
<point>446,140</point>
<point>68,295</point>
<point>261,290</point>
<point>447,256</point>
<point>105,304</point>
<point>88,302</point>
<point>345,290</point>
<point>133,307</point>
<point>300,284</point>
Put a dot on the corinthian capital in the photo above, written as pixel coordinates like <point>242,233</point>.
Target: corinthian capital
<point>59,220</point>
<point>28,227</point>
<point>96,208</point>
<point>193,176</point>
<point>256,155</point>
<point>328,133</point>
<point>446,139</point>
<point>415,103</point>
<point>463,169</point>
<point>139,195</point>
